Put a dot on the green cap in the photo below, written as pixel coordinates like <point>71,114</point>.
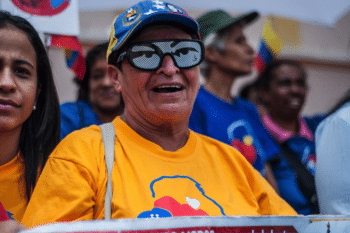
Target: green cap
<point>214,21</point>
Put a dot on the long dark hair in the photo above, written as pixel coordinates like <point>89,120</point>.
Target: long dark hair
<point>41,131</point>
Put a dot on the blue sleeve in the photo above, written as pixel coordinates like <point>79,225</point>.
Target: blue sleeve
<point>70,119</point>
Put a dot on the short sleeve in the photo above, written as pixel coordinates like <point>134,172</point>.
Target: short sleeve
<point>70,184</point>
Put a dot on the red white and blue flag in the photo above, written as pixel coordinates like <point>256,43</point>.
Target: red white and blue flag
<point>72,50</point>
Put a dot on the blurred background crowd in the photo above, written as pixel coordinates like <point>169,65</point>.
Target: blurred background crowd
<point>272,73</point>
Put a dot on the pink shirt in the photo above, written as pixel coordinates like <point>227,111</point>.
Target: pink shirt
<point>282,135</point>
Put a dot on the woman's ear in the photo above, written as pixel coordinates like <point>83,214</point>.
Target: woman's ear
<point>114,73</point>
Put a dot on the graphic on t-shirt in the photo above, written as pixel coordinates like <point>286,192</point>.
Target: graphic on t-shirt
<point>193,203</point>
<point>311,163</point>
<point>42,7</point>
<point>10,215</point>
<point>241,136</point>
<point>309,157</point>
<point>246,147</point>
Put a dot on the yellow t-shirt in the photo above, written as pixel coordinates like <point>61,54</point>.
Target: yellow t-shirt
<point>12,187</point>
<point>205,177</point>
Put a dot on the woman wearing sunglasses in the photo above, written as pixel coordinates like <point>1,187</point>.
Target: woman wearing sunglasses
<point>161,168</point>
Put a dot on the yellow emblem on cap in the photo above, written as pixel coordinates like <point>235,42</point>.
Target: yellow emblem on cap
<point>112,41</point>
<point>133,15</point>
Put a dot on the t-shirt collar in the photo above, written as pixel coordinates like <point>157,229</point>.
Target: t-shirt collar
<point>282,135</point>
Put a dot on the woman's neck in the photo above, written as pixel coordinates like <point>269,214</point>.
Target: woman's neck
<point>9,145</point>
<point>290,124</point>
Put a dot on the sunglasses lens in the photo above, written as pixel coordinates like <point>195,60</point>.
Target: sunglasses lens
<point>187,54</point>
<point>149,55</point>
<point>144,57</point>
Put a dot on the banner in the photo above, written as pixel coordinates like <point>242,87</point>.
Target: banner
<point>47,16</point>
<point>225,224</point>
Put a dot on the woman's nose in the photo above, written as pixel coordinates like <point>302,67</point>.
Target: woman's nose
<point>107,80</point>
<point>7,82</point>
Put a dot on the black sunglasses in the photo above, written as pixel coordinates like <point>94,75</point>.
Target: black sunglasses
<point>149,55</point>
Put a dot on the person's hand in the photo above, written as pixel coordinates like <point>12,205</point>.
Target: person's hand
<point>11,226</point>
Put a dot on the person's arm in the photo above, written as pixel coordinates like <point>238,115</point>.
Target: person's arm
<point>332,174</point>
<point>71,183</point>
<point>270,202</point>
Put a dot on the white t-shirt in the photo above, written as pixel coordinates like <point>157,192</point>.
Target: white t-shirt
<point>333,162</point>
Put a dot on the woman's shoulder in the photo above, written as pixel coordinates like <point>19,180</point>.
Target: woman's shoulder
<point>74,105</point>
<point>246,104</point>
<point>79,145</point>
<point>217,147</point>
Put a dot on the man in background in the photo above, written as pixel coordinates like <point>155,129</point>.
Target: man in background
<point>216,112</point>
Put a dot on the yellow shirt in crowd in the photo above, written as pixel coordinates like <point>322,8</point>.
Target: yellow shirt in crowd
<point>12,187</point>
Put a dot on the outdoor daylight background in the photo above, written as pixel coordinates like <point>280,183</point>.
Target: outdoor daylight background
<point>315,33</point>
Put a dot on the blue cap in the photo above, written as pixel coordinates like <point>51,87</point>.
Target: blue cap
<point>142,14</point>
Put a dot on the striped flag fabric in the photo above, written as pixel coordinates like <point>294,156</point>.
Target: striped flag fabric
<point>270,46</point>
<point>72,50</point>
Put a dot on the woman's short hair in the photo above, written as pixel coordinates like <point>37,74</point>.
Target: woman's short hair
<point>41,131</point>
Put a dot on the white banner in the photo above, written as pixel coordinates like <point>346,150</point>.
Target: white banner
<point>47,16</point>
<point>226,224</point>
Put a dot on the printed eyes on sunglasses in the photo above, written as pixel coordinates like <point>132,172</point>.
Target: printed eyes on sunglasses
<point>184,51</point>
<point>149,54</point>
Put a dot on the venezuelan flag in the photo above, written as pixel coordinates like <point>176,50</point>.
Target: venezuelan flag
<point>270,46</point>
<point>72,50</point>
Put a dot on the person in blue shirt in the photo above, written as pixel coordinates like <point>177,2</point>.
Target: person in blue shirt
<point>216,113</point>
<point>98,102</point>
<point>283,86</point>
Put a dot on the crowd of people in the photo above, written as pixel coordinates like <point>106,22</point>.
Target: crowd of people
<point>177,141</point>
